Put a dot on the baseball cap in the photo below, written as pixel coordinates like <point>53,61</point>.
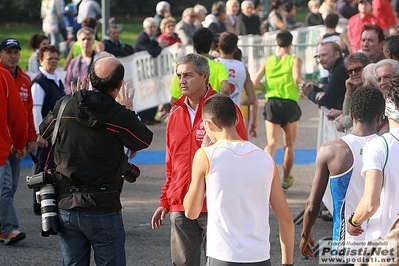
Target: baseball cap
<point>367,1</point>
<point>8,43</point>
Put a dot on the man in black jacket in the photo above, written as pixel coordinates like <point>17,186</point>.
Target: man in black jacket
<point>331,98</point>
<point>330,58</point>
<point>250,21</point>
<point>90,159</point>
<point>146,39</point>
<point>113,43</point>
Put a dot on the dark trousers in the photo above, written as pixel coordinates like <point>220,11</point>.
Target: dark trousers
<point>187,238</point>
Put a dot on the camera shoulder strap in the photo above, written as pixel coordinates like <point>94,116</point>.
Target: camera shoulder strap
<point>64,102</point>
<point>59,115</point>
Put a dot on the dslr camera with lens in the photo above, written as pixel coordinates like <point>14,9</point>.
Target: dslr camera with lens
<point>47,198</point>
<point>131,173</point>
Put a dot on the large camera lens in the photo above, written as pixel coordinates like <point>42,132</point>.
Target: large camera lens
<point>133,171</point>
<point>48,200</point>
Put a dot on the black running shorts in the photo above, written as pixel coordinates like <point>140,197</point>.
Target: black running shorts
<point>281,111</point>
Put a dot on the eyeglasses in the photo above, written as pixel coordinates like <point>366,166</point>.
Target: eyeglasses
<point>356,70</point>
<point>171,25</point>
<point>52,58</point>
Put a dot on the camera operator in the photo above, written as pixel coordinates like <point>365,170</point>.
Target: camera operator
<point>90,159</point>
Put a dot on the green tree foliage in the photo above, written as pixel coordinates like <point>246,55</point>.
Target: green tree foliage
<point>29,10</point>
<point>19,10</point>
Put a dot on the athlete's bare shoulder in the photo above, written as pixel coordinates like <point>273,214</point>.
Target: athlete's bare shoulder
<point>337,155</point>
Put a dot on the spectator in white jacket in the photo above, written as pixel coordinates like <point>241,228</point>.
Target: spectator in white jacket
<point>51,14</point>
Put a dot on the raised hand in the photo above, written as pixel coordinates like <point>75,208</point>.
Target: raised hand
<point>79,85</point>
<point>350,87</point>
<point>125,96</point>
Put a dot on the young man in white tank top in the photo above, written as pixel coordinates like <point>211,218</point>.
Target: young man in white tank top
<point>340,162</point>
<point>379,207</point>
<point>240,181</point>
<point>239,77</point>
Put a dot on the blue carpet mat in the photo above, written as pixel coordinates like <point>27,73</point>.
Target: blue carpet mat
<point>158,157</point>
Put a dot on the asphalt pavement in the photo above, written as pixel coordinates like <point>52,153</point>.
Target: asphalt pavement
<point>145,246</point>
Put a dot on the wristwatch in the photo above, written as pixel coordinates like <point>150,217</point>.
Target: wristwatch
<point>351,222</point>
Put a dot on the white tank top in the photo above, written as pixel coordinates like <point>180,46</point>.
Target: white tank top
<point>347,188</point>
<point>238,187</point>
<point>377,154</point>
<point>237,77</point>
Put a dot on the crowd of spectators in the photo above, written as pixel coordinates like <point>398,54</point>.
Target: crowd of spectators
<point>239,17</point>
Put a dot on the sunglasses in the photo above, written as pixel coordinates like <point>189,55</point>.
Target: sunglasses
<point>356,70</point>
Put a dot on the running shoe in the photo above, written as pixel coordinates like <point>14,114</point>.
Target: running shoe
<point>14,237</point>
<point>287,182</point>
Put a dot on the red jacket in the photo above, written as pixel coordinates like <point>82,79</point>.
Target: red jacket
<point>13,125</point>
<point>182,141</point>
<point>24,84</point>
<point>171,39</point>
<point>384,13</point>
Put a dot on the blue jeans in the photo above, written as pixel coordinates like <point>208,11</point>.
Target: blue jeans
<point>8,215</point>
<point>83,228</point>
<point>1,179</point>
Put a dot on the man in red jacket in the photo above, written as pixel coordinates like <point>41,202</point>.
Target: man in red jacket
<point>185,133</point>
<point>13,126</point>
<point>356,23</point>
<point>9,56</point>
